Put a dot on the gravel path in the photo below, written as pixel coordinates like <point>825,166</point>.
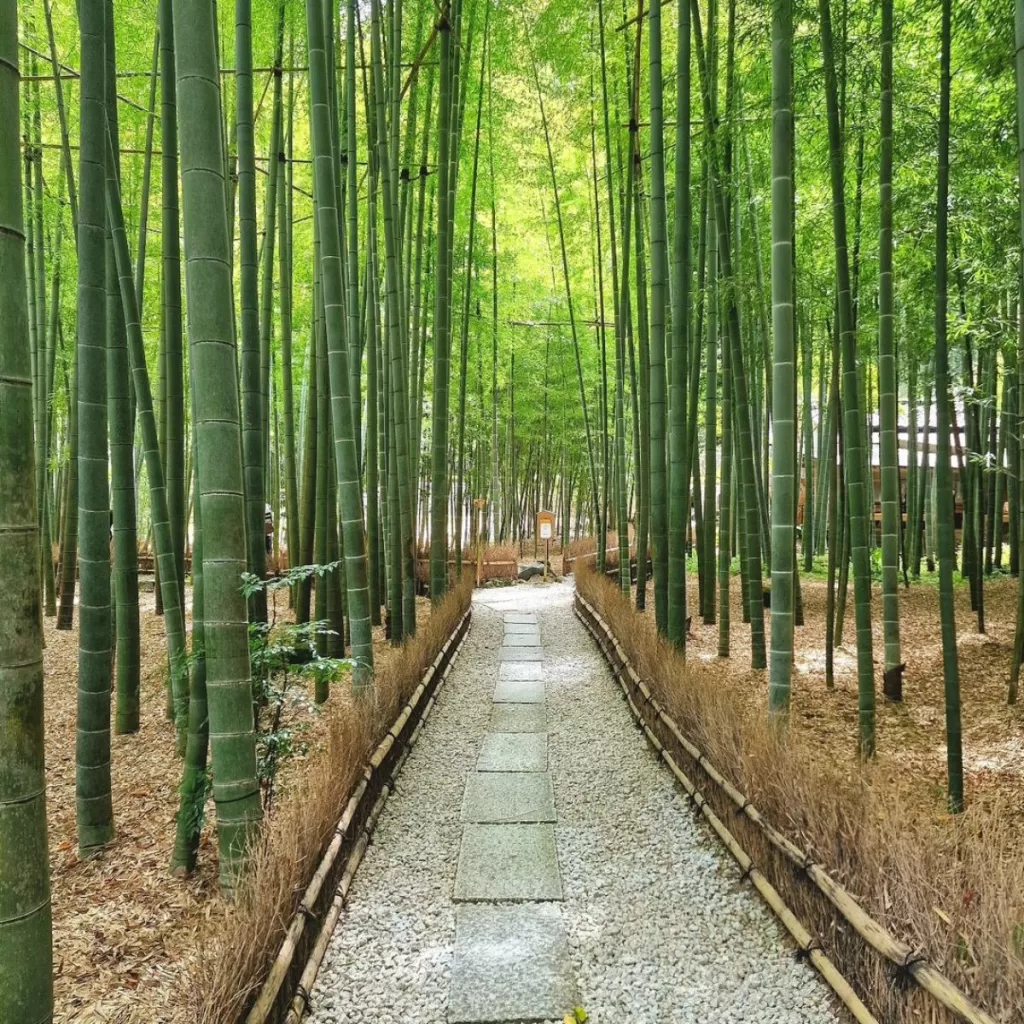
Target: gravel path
<point>659,929</point>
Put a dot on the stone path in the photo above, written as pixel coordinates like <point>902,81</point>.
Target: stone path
<point>536,856</point>
<point>511,962</point>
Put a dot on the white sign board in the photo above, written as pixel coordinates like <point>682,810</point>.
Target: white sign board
<point>545,531</point>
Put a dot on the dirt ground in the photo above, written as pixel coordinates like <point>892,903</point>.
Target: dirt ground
<point>911,747</point>
<point>123,928</point>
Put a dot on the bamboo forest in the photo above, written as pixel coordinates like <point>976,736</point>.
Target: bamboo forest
<point>511,510</point>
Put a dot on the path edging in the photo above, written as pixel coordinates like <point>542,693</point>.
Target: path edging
<point>904,961</point>
<point>808,945</point>
<point>285,996</point>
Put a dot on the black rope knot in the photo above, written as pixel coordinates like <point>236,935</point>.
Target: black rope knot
<point>903,974</point>
<point>805,866</point>
<point>804,953</point>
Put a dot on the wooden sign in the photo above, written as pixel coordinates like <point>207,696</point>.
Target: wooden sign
<point>545,525</point>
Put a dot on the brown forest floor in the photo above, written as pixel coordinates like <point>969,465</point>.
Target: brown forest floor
<point>124,929</point>
<point>911,737</point>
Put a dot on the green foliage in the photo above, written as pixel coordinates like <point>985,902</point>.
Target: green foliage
<point>284,661</point>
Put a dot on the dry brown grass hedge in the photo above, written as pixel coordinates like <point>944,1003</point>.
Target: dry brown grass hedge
<point>950,888</point>
<point>238,951</point>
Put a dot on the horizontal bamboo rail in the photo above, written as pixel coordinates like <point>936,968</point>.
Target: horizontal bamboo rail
<point>284,997</point>
<point>902,957</point>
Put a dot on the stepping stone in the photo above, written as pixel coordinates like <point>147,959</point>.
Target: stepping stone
<point>514,752</point>
<point>511,692</point>
<point>511,963</point>
<point>508,862</point>
<point>521,640</point>
<point>493,797</point>
<point>521,617</point>
<point>510,653</point>
<point>526,628</point>
<point>521,671</point>
<point>519,718</point>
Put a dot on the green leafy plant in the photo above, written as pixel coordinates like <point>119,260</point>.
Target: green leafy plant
<point>284,661</point>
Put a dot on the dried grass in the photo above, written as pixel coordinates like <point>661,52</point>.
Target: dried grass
<point>952,888</point>
<point>238,949</point>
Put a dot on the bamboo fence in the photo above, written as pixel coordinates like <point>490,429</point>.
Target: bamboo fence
<point>285,993</point>
<point>905,961</point>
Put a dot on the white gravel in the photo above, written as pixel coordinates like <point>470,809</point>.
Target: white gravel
<point>660,930</point>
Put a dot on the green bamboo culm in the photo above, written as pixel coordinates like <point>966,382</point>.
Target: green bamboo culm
<point>679,505</point>
<point>784,451</point>
<point>621,329</point>
<point>170,285</point>
<point>353,531</point>
<point>853,427</point>
<point>442,325</point>
<point>1018,646</point>
<point>26,957</point>
<point>397,343</point>
<point>275,181</point>
<point>194,781</point>
<point>887,381</point>
<point>750,534</point>
<point>174,622</point>
<point>659,307</point>
<point>943,475</point>
<point>94,806</point>
<point>249,322</point>
<point>217,424</point>
<point>122,453</point>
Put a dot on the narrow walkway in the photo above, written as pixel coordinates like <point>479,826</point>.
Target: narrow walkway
<point>537,856</point>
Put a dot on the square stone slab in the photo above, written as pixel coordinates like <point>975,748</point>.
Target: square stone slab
<point>519,718</point>
<point>509,653</point>
<point>508,862</point>
<point>521,640</point>
<point>514,752</point>
<point>511,963</point>
<point>510,692</point>
<point>527,628</point>
<point>493,797</point>
<point>521,617</point>
<point>521,671</point>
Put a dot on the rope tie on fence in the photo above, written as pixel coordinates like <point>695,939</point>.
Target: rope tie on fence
<point>305,911</point>
<point>804,867</point>
<point>745,873</point>
<point>742,808</point>
<point>903,973</point>
<point>803,953</point>
<point>301,993</point>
